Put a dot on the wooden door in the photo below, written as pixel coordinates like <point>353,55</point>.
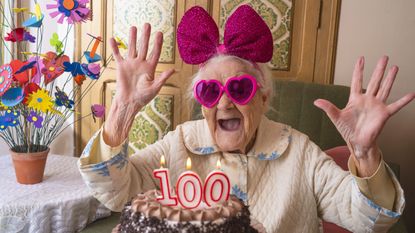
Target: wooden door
<point>304,33</point>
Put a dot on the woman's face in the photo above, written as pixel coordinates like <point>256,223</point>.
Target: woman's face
<point>232,126</point>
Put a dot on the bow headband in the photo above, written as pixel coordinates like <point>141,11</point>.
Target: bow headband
<point>246,36</point>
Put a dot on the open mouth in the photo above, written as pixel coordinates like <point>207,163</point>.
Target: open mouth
<point>231,124</point>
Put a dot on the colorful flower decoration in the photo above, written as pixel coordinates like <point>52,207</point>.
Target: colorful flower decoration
<point>6,78</point>
<point>74,68</point>
<point>11,118</point>
<point>21,71</point>
<point>35,118</point>
<point>18,35</point>
<point>92,56</point>
<point>91,70</point>
<point>40,101</point>
<point>98,111</point>
<point>36,19</point>
<point>13,97</point>
<point>120,43</point>
<point>26,66</point>
<point>74,10</point>
<point>54,66</point>
<point>29,89</point>
<point>62,99</point>
<point>3,107</point>
<point>38,66</point>
<point>79,79</point>
<point>55,42</point>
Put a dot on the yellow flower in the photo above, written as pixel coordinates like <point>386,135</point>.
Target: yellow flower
<point>2,106</point>
<point>120,43</point>
<point>40,101</point>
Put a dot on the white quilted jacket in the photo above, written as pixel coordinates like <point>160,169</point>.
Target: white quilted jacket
<point>287,181</point>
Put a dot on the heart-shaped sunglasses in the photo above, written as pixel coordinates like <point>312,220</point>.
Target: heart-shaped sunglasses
<point>240,90</point>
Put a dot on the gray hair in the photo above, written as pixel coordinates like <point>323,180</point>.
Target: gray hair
<point>260,71</point>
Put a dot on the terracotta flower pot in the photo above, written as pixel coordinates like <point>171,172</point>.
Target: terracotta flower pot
<point>29,167</point>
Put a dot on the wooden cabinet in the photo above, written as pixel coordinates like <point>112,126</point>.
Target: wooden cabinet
<point>304,33</point>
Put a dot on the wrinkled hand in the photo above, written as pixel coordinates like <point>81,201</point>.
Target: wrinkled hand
<point>136,83</point>
<point>365,114</point>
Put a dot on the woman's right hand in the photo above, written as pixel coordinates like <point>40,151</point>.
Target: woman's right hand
<point>136,83</point>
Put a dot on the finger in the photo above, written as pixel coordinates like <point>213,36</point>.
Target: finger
<point>399,104</point>
<point>143,46</point>
<point>387,84</point>
<point>356,86</point>
<point>115,50</point>
<point>377,76</point>
<point>132,47</point>
<point>158,43</point>
<point>161,80</point>
<point>330,109</point>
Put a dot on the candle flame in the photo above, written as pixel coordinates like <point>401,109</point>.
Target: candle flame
<point>218,165</point>
<point>162,161</point>
<point>188,163</point>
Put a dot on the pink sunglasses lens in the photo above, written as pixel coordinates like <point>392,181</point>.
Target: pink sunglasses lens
<point>207,93</point>
<point>241,90</point>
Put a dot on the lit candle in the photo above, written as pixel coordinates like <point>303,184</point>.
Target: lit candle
<point>189,188</point>
<point>162,174</point>
<point>217,186</point>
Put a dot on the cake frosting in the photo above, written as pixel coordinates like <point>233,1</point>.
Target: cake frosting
<point>145,214</point>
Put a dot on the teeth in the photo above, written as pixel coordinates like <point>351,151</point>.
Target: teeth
<point>230,124</point>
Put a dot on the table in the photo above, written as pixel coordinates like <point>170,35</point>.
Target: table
<point>61,203</point>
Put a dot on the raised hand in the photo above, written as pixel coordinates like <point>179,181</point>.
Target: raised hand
<point>365,114</point>
<point>136,83</point>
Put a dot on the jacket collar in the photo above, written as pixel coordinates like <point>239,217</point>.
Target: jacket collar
<point>271,141</point>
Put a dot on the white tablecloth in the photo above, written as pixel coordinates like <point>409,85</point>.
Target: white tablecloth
<point>61,203</point>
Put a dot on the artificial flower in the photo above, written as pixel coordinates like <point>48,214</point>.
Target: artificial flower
<point>6,78</point>
<point>91,70</point>
<point>22,71</point>
<point>3,107</point>
<point>120,43</point>
<point>74,10</point>
<point>55,42</point>
<point>79,79</point>
<point>11,118</point>
<point>98,111</point>
<point>29,89</point>
<point>62,99</point>
<point>12,97</point>
<point>39,66</point>
<point>74,68</point>
<point>40,101</point>
<point>27,65</point>
<point>18,35</point>
<point>53,66</point>
<point>35,118</point>
<point>91,58</point>
<point>36,19</point>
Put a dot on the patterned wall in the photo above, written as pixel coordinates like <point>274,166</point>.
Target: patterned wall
<point>278,16</point>
<point>159,13</point>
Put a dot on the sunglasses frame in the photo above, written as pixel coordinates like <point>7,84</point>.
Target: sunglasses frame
<point>223,89</point>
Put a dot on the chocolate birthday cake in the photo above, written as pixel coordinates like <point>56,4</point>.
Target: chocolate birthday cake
<point>145,214</point>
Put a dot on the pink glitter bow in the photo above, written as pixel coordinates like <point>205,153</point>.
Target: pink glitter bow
<point>246,36</point>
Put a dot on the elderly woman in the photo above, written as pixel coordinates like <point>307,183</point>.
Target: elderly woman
<point>287,181</point>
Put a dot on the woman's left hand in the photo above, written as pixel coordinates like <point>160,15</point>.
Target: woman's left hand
<point>365,115</point>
